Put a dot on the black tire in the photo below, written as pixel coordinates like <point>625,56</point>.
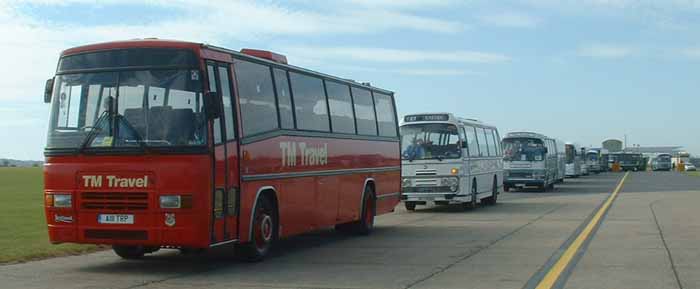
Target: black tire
<point>265,226</point>
<point>365,224</point>
<point>129,252</point>
<point>410,206</point>
<point>506,188</point>
<point>493,199</point>
<point>471,205</point>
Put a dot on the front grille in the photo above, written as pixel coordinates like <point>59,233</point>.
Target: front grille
<point>426,172</point>
<point>523,175</point>
<point>438,189</point>
<point>116,234</point>
<point>115,201</point>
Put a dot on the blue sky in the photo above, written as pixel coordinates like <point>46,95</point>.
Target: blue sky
<point>579,71</point>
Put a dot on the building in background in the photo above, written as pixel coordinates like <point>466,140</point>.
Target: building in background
<point>612,145</point>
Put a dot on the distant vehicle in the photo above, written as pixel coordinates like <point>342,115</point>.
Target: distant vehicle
<point>561,160</point>
<point>629,161</point>
<point>690,167</point>
<point>593,161</point>
<point>529,160</point>
<point>573,160</point>
<point>584,164</point>
<point>449,160</point>
<point>645,163</point>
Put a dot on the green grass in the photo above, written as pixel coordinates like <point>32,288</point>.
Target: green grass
<point>23,234</point>
<point>695,173</point>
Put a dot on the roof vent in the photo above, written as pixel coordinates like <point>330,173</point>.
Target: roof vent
<point>269,55</point>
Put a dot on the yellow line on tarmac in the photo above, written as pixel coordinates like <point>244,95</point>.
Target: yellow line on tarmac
<point>553,275</point>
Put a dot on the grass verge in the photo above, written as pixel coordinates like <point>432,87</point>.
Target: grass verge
<point>22,221</point>
<point>694,173</point>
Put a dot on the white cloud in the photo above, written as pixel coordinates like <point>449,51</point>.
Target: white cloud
<point>31,45</point>
<point>396,55</point>
<point>605,51</point>
<point>510,19</point>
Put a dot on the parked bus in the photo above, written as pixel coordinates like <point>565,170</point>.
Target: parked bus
<point>573,160</point>
<point>157,143</point>
<point>593,161</point>
<point>561,160</point>
<point>529,160</point>
<point>584,165</point>
<point>628,161</point>
<point>449,160</point>
<point>662,162</point>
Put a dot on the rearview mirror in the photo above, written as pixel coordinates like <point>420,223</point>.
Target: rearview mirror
<point>546,150</point>
<point>212,105</point>
<point>464,144</point>
<point>48,90</point>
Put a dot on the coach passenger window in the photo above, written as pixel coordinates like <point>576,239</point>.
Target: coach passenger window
<point>340,102</point>
<point>491,134</point>
<point>471,141</point>
<point>212,87</point>
<point>256,97</point>
<point>385,114</point>
<point>284,99</point>
<point>364,111</point>
<point>489,142</point>
<point>483,146</point>
<point>309,102</point>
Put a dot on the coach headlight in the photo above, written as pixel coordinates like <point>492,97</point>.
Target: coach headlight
<point>452,183</point>
<point>175,202</point>
<point>59,200</point>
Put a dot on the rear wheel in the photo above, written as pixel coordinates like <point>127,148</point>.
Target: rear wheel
<point>494,194</point>
<point>264,231</point>
<point>411,206</point>
<point>129,252</point>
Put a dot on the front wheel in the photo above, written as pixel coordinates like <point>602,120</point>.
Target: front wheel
<point>410,206</point>
<point>129,252</point>
<point>472,204</point>
<point>264,232</point>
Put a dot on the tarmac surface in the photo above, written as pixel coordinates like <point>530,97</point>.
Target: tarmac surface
<point>649,237</point>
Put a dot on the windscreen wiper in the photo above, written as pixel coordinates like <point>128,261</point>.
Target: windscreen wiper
<point>94,130</point>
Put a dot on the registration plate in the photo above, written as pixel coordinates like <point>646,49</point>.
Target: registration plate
<point>115,219</point>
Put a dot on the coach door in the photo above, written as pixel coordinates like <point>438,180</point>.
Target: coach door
<point>224,206</point>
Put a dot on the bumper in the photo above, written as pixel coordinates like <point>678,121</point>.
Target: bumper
<point>451,198</point>
<point>148,230</point>
<point>523,182</point>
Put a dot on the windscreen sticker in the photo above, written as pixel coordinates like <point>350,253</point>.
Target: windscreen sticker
<point>194,75</point>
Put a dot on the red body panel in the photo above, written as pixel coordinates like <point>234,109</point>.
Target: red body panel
<point>174,174</point>
<point>314,196</point>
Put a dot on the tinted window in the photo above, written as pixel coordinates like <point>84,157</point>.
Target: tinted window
<point>471,141</point>
<point>483,146</point>
<point>212,87</point>
<point>130,58</point>
<point>256,97</point>
<point>385,114</point>
<point>364,111</point>
<point>340,103</point>
<point>309,102</point>
<point>228,106</point>
<point>284,99</point>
